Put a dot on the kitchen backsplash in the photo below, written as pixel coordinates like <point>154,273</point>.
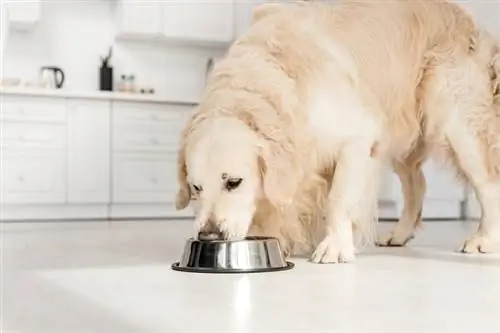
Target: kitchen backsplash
<point>73,35</point>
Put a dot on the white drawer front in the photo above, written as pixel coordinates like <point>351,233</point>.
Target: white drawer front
<point>161,142</point>
<point>155,130</point>
<point>143,179</point>
<point>37,109</point>
<point>33,178</point>
<point>145,114</point>
<point>19,135</point>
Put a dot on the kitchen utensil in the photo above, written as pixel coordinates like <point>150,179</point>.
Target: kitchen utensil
<point>106,73</point>
<point>105,60</point>
<point>250,255</point>
<point>53,76</point>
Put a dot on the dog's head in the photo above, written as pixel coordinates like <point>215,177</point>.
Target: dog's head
<point>227,165</point>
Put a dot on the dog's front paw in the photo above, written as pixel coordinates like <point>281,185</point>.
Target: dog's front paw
<point>481,244</point>
<point>334,250</point>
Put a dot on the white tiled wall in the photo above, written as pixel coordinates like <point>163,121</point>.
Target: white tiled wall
<point>74,34</point>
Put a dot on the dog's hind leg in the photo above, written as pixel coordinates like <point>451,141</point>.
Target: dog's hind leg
<point>472,133</point>
<point>469,152</point>
<point>414,186</point>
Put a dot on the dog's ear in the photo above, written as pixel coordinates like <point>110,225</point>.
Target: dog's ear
<point>281,172</point>
<point>184,192</point>
<point>280,165</point>
<point>495,73</point>
<point>183,196</point>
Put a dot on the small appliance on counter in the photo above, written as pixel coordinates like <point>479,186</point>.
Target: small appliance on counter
<point>106,73</point>
<point>52,77</point>
<point>127,84</point>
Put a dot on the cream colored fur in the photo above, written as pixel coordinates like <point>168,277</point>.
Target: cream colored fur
<point>470,140</point>
<point>309,104</point>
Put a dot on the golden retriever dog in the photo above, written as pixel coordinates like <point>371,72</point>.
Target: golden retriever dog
<point>306,107</point>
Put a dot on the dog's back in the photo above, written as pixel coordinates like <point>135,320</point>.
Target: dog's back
<point>383,47</point>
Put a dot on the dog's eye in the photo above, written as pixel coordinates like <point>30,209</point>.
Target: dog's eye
<point>233,183</point>
<point>197,188</point>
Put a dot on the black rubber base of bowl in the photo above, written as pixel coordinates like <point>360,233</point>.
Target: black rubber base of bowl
<point>175,267</point>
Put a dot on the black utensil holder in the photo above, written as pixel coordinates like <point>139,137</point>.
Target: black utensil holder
<point>106,78</point>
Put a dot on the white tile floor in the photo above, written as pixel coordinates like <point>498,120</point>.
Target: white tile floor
<point>102,277</point>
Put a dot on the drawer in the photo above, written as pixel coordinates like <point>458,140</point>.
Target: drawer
<point>21,135</point>
<point>161,141</point>
<point>37,109</point>
<point>142,179</point>
<point>147,114</point>
<point>32,178</point>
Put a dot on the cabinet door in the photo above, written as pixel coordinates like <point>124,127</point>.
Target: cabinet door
<point>23,15</point>
<point>140,17</point>
<point>32,150</point>
<point>89,152</point>
<point>199,21</point>
<point>139,178</point>
<point>33,177</point>
<point>472,208</point>
<point>145,144</point>
<point>389,190</point>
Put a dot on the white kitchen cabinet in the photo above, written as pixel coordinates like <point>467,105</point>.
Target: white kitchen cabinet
<point>199,21</point>
<point>22,15</point>
<point>145,142</point>
<point>140,17</point>
<point>388,193</point>
<point>153,128</point>
<point>472,208</point>
<point>33,155</point>
<point>89,152</point>
<point>74,157</point>
<point>144,179</point>
<point>443,198</point>
<point>33,177</point>
<point>187,22</point>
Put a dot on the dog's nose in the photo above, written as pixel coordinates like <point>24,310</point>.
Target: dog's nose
<point>202,235</point>
<point>210,231</point>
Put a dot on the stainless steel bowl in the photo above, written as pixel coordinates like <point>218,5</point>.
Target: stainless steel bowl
<point>250,255</point>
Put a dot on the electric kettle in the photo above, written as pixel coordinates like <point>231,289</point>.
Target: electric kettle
<point>53,77</point>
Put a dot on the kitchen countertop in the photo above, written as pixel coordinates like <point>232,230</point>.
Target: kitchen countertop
<point>98,95</point>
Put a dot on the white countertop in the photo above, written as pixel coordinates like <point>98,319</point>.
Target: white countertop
<point>99,95</point>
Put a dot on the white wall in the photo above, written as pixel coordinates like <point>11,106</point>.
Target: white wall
<point>74,34</point>
<point>486,12</point>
